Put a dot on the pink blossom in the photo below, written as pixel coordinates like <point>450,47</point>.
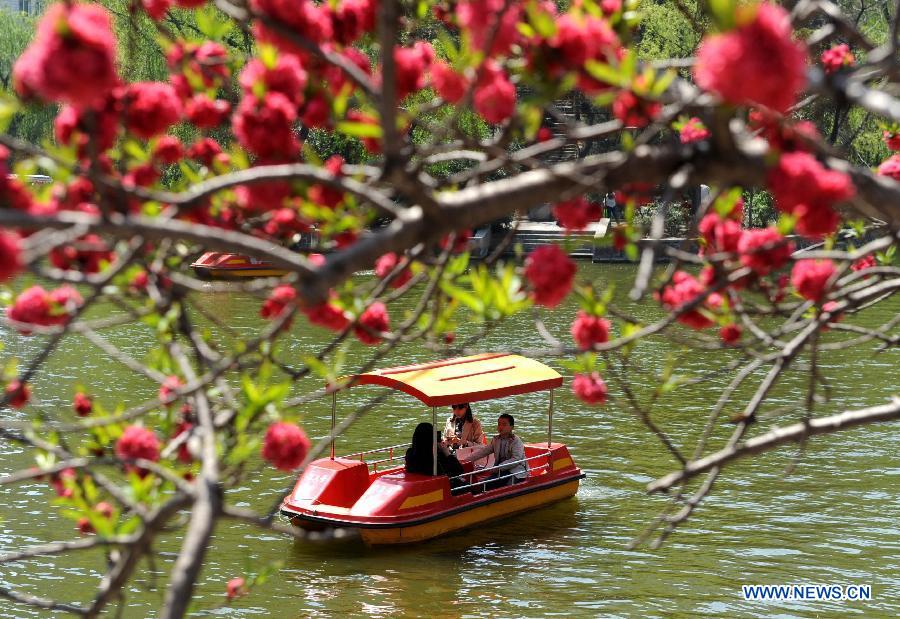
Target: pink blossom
<point>588,330</point>
<point>589,388</point>
<point>758,62</point>
<point>837,58</point>
<point>550,272</point>
<point>811,278</point>
<point>285,446</point>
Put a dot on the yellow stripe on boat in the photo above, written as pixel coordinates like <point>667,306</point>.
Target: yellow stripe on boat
<point>561,463</point>
<point>417,533</point>
<point>422,499</point>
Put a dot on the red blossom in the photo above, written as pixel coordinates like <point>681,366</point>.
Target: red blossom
<point>576,214</point>
<point>693,131</point>
<point>495,95</point>
<point>83,404</point>
<point>764,250</point>
<point>721,235</point>
<point>811,278</point>
<point>806,189</point>
<point>866,262</point>
<point>478,18</point>
<point>353,18</point>
<point>326,195</point>
<point>167,390</point>
<point>85,527</point>
<point>168,149</point>
<point>277,302</point>
<point>138,442</point>
<point>635,111</point>
<point>327,315</point>
<point>450,85</point>
<point>460,241</point>
<point>285,446</point>
<point>156,9</point>
<point>206,113</point>
<point>758,62</point>
<point>204,150</point>
<point>10,255</point>
<point>589,388</point>
<point>235,588</point>
<point>63,481</point>
<point>730,334</point>
<point>36,306</point>
<point>783,135</point>
<point>104,509</point>
<point>892,139</point>
<point>372,322</point>
<point>837,58</point>
<point>139,281</point>
<point>411,65</point>
<point>317,112</point>
<point>891,168</point>
<point>303,17</point>
<point>544,134</point>
<point>588,330</point>
<point>386,264</point>
<point>265,126</point>
<point>285,222</point>
<point>683,290</point>
<point>80,126</point>
<point>550,272</point>
<point>287,77</point>
<point>17,393</point>
<point>150,108</point>
<point>72,58</point>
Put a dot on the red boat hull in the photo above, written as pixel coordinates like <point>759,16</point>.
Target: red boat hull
<point>396,507</point>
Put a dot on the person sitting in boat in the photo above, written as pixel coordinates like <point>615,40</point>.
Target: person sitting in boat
<point>506,447</point>
<point>419,456</point>
<point>462,428</point>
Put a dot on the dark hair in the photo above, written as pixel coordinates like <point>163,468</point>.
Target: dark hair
<point>469,417</point>
<point>509,418</point>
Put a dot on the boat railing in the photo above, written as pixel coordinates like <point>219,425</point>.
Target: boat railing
<point>373,464</point>
<point>503,465</point>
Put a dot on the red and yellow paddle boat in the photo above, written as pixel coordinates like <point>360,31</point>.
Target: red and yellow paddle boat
<point>216,265</point>
<point>371,491</point>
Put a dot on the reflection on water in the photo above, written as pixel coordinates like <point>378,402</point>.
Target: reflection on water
<point>834,519</point>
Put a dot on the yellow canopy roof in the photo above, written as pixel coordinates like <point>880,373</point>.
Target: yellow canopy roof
<point>466,379</point>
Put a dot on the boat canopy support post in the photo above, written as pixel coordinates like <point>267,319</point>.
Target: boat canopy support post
<point>434,439</point>
<point>550,421</point>
<point>333,419</point>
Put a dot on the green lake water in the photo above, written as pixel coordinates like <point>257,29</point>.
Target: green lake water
<point>832,520</point>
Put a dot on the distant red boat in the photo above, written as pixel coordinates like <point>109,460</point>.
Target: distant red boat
<point>391,506</point>
<point>215,265</point>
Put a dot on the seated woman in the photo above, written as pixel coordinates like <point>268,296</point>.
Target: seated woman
<point>419,456</point>
<point>462,428</point>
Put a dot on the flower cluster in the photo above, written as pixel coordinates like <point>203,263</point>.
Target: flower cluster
<point>285,446</point>
<point>550,272</point>
<point>576,214</point>
<point>837,57</point>
<point>757,63</point>
<point>806,189</point>
<point>36,306</point>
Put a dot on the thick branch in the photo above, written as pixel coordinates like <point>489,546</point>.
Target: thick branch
<point>778,437</point>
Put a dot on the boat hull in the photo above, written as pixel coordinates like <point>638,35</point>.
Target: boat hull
<point>215,265</point>
<point>396,507</point>
<point>506,506</point>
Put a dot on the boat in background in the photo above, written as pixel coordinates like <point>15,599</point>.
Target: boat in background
<point>217,265</point>
<point>370,491</point>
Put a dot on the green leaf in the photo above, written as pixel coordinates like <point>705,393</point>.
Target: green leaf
<point>466,298</point>
<point>9,106</point>
<point>606,73</point>
<point>723,12</point>
<point>359,130</point>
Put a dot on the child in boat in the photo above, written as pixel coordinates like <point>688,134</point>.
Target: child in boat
<point>506,447</point>
<point>419,456</point>
<point>462,428</point>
